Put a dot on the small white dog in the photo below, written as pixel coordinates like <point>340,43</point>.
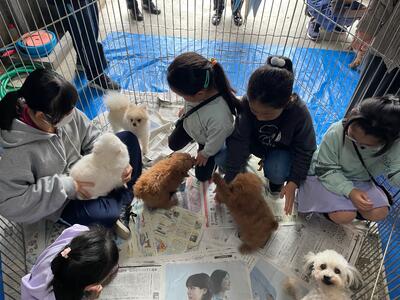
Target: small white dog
<point>333,277</point>
<point>103,166</point>
<point>128,116</point>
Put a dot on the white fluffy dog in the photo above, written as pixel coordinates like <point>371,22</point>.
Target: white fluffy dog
<point>333,276</point>
<point>128,116</point>
<point>103,166</point>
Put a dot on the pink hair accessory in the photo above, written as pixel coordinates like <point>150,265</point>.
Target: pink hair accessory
<point>65,252</point>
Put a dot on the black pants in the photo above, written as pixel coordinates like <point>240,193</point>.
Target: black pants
<point>375,80</point>
<point>220,5</point>
<point>178,139</point>
<point>83,25</point>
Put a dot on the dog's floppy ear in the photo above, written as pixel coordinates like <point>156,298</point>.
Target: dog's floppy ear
<point>309,264</point>
<point>353,278</point>
<point>222,186</point>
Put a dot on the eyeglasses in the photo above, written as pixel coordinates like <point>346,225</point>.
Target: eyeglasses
<point>363,146</point>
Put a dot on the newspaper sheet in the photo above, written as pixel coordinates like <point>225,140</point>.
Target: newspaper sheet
<point>268,281</point>
<point>176,230</point>
<point>180,275</point>
<point>163,231</point>
<point>136,283</point>
<point>291,243</point>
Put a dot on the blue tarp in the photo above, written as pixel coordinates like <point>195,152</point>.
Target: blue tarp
<point>139,62</point>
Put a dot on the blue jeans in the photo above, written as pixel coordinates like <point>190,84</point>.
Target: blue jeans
<point>277,165</point>
<point>82,22</point>
<point>106,210</point>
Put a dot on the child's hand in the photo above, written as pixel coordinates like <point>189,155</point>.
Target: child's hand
<point>127,174</point>
<point>201,160</point>
<point>288,191</point>
<point>181,111</point>
<point>361,200</point>
<point>81,189</point>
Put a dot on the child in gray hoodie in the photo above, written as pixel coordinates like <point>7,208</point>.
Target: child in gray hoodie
<point>43,135</point>
<point>202,83</point>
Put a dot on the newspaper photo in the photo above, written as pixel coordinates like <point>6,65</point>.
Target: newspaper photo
<point>268,282</point>
<point>135,283</point>
<point>225,280</point>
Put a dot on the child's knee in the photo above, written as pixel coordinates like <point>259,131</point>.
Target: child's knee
<point>376,214</point>
<point>343,217</point>
<point>128,138</point>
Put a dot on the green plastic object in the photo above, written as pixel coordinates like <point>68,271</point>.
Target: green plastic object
<point>6,78</point>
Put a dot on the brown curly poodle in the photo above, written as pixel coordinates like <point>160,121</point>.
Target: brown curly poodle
<point>156,185</point>
<point>244,199</point>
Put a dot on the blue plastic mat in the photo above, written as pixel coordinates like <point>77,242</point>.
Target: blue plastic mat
<point>139,62</point>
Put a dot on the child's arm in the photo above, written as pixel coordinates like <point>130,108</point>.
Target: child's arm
<point>327,168</point>
<point>304,145</point>
<point>238,145</point>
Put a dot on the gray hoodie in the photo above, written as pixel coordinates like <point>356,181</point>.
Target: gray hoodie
<point>210,125</point>
<point>34,181</point>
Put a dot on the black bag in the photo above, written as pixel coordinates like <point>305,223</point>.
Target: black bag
<point>384,190</point>
<point>179,122</point>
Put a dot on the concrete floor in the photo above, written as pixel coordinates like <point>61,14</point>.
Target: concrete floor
<point>277,22</point>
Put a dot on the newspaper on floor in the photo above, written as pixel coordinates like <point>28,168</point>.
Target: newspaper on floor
<point>181,277</point>
<point>290,243</point>
<point>136,283</point>
<point>161,231</point>
<point>268,281</point>
<point>216,214</point>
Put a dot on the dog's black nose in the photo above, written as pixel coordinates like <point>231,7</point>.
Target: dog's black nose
<point>327,280</point>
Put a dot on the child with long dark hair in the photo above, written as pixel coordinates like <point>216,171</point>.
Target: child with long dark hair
<point>354,150</point>
<point>276,126</point>
<point>43,135</point>
<point>198,80</point>
<point>76,266</point>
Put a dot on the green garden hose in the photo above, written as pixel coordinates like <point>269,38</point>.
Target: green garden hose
<point>5,78</point>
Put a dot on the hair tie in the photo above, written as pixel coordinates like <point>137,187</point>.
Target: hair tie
<point>277,61</point>
<point>65,252</point>
<point>213,61</point>
<point>207,81</point>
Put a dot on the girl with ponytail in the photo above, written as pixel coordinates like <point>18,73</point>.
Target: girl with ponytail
<point>275,126</point>
<point>203,83</point>
<point>76,266</point>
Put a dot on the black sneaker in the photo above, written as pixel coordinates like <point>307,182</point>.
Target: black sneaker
<point>150,7</point>
<point>339,29</point>
<point>216,18</point>
<point>136,14</point>
<point>237,18</point>
<point>104,82</point>
<point>121,226</point>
